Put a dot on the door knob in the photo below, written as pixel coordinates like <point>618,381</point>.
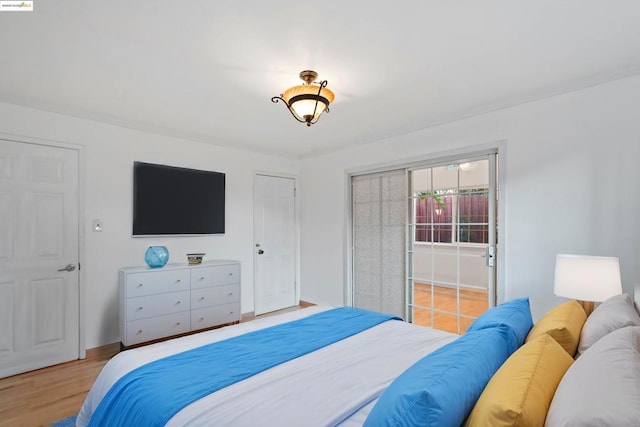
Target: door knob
<point>260,252</point>
<point>68,267</point>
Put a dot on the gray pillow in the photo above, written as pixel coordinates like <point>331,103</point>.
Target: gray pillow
<point>602,387</point>
<point>614,313</point>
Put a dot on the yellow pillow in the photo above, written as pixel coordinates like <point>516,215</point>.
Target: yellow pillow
<point>564,323</point>
<point>520,392</point>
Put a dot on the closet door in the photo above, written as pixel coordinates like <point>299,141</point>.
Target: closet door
<point>379,215</point>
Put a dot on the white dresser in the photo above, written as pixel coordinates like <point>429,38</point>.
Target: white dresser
<point>175,299</point>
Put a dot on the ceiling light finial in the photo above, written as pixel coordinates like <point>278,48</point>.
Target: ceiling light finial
<point>308,101</point>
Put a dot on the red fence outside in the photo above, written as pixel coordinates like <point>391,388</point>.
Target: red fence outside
<point>435,223</point>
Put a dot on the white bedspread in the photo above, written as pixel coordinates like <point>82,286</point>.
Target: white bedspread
<point>332,385</point>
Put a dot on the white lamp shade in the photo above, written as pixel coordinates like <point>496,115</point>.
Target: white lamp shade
<point>307,107</point>
<point>587,278</point>
<point>302,100</point>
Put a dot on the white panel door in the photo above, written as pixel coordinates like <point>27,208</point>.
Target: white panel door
<point>39,313</point>
<point>275,243</point>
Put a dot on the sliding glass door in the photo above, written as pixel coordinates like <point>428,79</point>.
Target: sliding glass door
<point>423,241</point>
<point>451,242</point>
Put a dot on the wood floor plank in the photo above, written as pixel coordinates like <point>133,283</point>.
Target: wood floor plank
<point>41,397</point>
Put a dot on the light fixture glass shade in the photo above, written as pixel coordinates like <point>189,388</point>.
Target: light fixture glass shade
<point>308,101</point>
<point>302,100</point>
<point>587,278</point>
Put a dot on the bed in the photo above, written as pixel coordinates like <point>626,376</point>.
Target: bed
<point>354,371</point>
<point>389,373</point>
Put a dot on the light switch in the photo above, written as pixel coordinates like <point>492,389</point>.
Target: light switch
<point>96,224</point>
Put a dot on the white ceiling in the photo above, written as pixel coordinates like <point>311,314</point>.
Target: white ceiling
<point>206,70</point>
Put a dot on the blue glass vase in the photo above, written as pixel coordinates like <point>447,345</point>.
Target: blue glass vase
<point>156,256</point>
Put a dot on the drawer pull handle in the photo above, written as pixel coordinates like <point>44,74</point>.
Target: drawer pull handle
<point>202,278</point>
<point>177,323</point>
<point>231,312</point>
<point>139,308</point>
<point>230,294</point>
<point>201,298</point>
<point>140,285</point>
<point>178,302</point>
<point>178,281</point>
<point>139,331</point>
<point>230,274</point>
<point>202,318</point>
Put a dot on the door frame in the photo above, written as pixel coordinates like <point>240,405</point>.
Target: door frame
<point>82,351</point>
<point>296,231</point>
<point>499,147</point>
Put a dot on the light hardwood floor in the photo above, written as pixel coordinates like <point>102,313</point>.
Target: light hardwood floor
<point>41,397</point>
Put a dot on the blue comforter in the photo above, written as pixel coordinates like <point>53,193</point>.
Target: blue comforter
<point>151,394</point>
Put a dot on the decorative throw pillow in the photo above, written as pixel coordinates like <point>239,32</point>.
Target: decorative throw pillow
<point>614,313</point>
<point>520,393</point>
<point>602,387</point>
<point>442,387</point>
<point>515,314</point>
<point>564,323</point>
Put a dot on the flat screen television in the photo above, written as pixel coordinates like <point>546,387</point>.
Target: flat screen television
<point>169,200</point>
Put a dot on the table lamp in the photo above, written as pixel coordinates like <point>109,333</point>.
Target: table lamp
<point>587,279</point>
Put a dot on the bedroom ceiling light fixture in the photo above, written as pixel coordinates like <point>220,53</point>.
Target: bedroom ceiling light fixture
<point>587,279</point>
<point>307,101</point>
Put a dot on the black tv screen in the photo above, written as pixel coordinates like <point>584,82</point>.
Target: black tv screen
<point>169,200</point>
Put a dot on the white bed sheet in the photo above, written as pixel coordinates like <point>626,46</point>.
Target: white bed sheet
<point>335,385</point>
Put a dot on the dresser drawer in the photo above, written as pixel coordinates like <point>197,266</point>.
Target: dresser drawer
<point>157,327</point>
<point>215,295</point>
<point>213,316</point>
<point>157,305</point>
<point>214,276</point>
<point>148,283</point>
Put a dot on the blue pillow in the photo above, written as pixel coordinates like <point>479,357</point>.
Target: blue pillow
<point>515,314</point>
<point>442,387</point>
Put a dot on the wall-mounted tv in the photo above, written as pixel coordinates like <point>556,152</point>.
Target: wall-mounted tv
<point>169,200</point>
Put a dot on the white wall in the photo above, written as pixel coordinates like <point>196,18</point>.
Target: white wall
<point>109,155</point>
<point>571,185</point>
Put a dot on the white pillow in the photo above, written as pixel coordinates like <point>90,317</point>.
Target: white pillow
<point>602,387</point>
<point>614,313</point>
